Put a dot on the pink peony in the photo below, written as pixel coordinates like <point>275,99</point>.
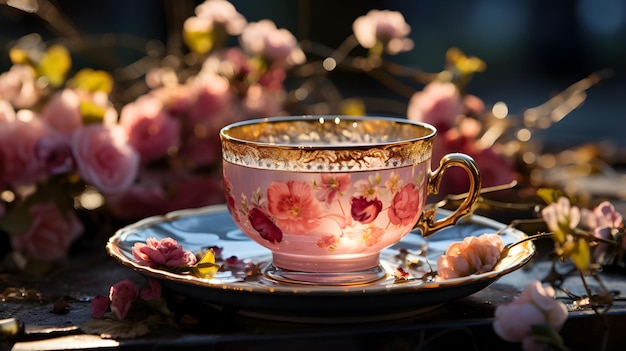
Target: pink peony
<point>383,26</point>
<point>50,234</point>
<point>122,296</point>
<point>536,306</point>
<point>150,129</point>
<point>104,159</point>
<point>62,112</point>
<point>99,306</point>
<point>405,206</point>
<point>473,255</point>
<point>165,252</point>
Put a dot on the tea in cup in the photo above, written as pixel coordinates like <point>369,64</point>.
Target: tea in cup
<point>326,194</point>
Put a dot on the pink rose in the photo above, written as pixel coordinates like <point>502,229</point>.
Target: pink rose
<point>150,129</point>
<point>165,252</point>
<point>55,153</point>
<point>473,255</point>
<point>18,153</point>
<point>122,296</point>
<point>50,233</point>
<point>152,291</point>
<point>99,306</point>
<point>405,206</point>
<point>104,159</point>
<point>536,306</point>
<point>438,104</point>
<point>62,112</point>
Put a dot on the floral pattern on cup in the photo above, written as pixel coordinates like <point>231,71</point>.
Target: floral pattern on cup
<point>332,212</point>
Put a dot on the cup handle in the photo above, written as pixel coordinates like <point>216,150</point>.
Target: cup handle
<point>427,223</point>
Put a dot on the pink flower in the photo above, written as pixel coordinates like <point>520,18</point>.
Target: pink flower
<point>165,252</point>
<point>122,296</point>
<point>294,206</point>
<point>50,234</point>
<point>438,104</point>
<point>55,153</point>
<point>473,255</point>
<point>276,45</point>
<point>19,141</point>
<point>150,129</point>
<point>99,306</point>
<point>7,113</point>
<point>364,210</point>
<point>383,26</point>
<point>264,226</point>
<point>17,85</point>
<point>332,185</point>
<point>221,13</point>
<point>62,112</point>
<point>536,306</point>
<point>561,217</point>
<point>152,291</point>
<point>605,222</point>
<point>104,159</point>
<point>405,206</point>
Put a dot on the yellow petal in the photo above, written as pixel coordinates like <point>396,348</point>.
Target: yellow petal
<point>580,256</point>
<point>92,80</point>
<point>55,64</point>
<point>211,268</point>
<point>198,42</point>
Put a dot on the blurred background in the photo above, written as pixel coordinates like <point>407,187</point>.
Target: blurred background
<point>532,48</point>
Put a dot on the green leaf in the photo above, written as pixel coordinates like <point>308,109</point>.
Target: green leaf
<point>550,195</point>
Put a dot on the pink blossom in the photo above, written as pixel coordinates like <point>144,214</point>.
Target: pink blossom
<point>276,45</point>
<point>99,306</point>
<point>261,102</point>
<point>152,291</point>
<point>19,141</point>
<point>438,104</point>
<point>364,210</point>
<point>62,112</point>
<point>383,26</point>
<point>294,206</point>
<point>165,252</point>
<point>405,206</point>
<point>50,234</point>
<point>7,113</point>
<point>473,255</point>
<point>561,217</point>
<point>104,159</point>
<point>264,225</point>
<point>55,153</point>
<point>605,222</point>
<point>536,306</point>
<point>150,129</point>
<point>222,13</point>
<point>122,296</point>
<point>18,86</point>
<point>332,185</point>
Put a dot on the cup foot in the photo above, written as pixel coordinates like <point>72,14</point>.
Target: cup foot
<point>325,278</point>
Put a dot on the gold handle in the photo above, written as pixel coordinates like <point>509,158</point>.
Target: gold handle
<point>427,223</point>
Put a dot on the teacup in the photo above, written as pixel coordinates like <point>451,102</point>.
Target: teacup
<point>326,194</point>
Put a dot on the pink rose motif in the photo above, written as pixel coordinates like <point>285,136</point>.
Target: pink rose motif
<point>99,306</point>
<point>294,207</point>
<point>122,296</point>
<point>62,112</point>
<point>150,129</point>
<point>405,206</point>
<point>264,226</point>
<point>364,210</point>
<point>165,252</point>
<point>332,185</point>
<point>152,291</point>
<point>536,306</point>
<point>104,159</point>
<point>473,255</point>
<point>50,234</point>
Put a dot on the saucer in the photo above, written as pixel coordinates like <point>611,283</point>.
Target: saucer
<point>262,297</point>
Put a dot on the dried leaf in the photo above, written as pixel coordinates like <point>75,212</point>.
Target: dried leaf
<point>115,329</point>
